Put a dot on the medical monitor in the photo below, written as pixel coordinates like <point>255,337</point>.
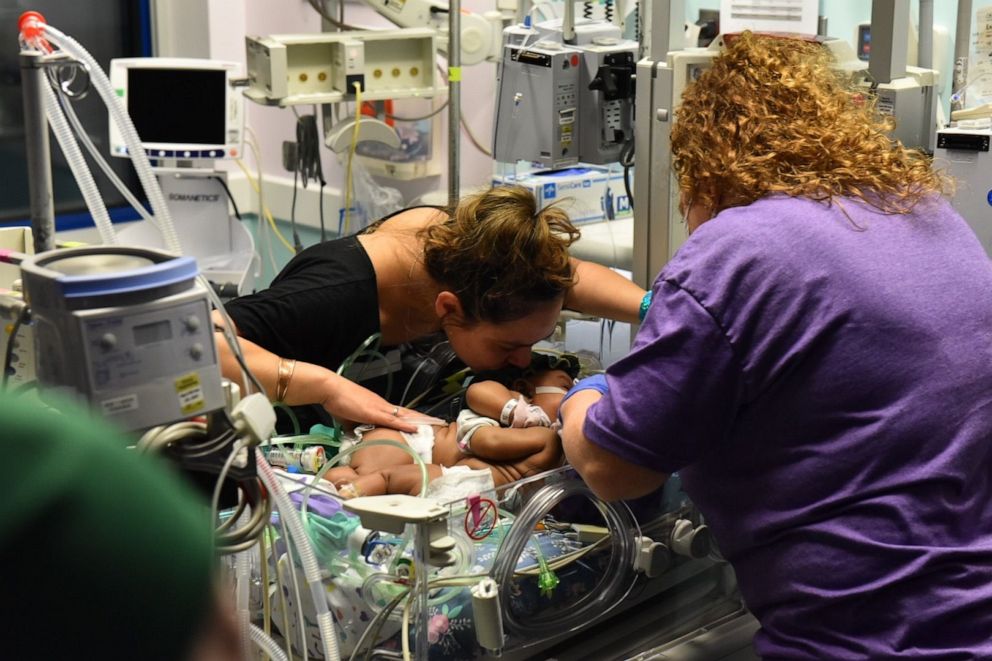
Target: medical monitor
<point>182,109</point>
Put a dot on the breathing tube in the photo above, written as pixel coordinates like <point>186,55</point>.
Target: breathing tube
<point>265,643</point>
<point>311,569</point>
<point>242,590</point>
<point>37,33</point>
<point>618,577</point>
<point>84,178</point>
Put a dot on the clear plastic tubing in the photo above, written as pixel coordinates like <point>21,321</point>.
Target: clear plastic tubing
<point>243,574</point>
<point>84,178</point>
<point>311,569</point>
<point>618,576</point>
<point>117,112</point>
<point>266,644</point>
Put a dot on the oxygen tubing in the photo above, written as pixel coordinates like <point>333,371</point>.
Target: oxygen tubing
<point>265,643</point>
<point>617,575</point>
<point>84,178</point>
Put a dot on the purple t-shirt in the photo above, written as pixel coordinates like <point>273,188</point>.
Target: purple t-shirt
<point>823,385</point>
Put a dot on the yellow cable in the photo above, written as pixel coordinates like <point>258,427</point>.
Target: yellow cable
<point>265,210</point>
<point>351,156</point>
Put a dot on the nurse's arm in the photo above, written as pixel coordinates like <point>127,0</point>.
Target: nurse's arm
<point>602,292</point>
<point>609,476</point>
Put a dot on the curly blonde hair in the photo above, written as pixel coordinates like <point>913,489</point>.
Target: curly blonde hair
<point>772,116</point>
<point>501,255</point>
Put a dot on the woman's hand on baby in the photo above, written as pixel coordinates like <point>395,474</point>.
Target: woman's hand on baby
<point>346,400</point>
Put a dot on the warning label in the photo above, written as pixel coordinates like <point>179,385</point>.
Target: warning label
<point>190,393</point>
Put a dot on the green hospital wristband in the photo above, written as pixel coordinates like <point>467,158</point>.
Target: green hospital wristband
<point>645,304</point>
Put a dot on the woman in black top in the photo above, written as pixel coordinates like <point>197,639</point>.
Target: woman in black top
<point>493,276</point>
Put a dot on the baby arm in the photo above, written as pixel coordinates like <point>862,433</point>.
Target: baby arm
<point>508,443</point>
<point>509,407</point>
<point>489,398</point>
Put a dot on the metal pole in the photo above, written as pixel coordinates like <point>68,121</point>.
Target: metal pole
<point>962,44</point>
<point>39,155</point>
<point>454,98</point>
<point>924,57</point>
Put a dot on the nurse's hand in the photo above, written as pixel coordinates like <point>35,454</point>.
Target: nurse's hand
<point>348,401</point>
<point>594,383</point>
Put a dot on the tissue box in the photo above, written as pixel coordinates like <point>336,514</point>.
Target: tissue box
<point>582,192</point>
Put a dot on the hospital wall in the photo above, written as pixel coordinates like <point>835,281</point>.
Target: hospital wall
<point>217,28</point>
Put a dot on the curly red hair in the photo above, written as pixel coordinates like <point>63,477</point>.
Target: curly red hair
<point>772,116</point>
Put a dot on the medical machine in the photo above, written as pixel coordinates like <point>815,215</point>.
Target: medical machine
<point>563,99</point>
<point>127,330</point>
<point>189,113</point>
<point>964,154</point>
<point>606,111</point>
<point>182,108</point>
<point>290,69</point>
<point>537,105</point>
<point>906,93</point>
<point>479,32</point>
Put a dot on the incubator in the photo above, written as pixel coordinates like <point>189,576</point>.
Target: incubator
<point>540,566</point>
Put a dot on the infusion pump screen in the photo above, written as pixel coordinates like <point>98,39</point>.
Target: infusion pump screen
<point>182,106</point>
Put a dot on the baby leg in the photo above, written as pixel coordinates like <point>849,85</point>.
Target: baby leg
<point>372,459</point>
<point>398,479</point>
<point>340,475</point>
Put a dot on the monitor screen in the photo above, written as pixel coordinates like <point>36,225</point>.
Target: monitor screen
<point>182,109</point>
<point>178,106</point>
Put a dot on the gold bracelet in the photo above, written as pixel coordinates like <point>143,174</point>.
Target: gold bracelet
<point>286,368</point>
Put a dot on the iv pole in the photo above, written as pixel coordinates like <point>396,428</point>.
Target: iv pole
<point>39,154</point>
<point>454,99</point>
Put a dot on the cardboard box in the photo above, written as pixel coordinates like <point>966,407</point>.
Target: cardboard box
<point>581,191</point>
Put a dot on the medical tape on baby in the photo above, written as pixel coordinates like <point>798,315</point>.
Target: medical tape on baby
<point>470,422</point>
<point>549,390</point>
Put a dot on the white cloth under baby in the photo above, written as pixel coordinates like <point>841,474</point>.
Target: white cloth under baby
<point>459,482</point>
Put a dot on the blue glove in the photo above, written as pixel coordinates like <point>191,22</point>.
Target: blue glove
<point>595,382</point>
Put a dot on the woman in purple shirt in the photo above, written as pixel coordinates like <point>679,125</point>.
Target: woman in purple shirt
<point>817,365</point>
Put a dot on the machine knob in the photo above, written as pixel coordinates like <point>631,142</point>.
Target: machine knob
<point>192,323</point>
<point>690,541</point>
<point>108,341</point>
<point>196,351</point>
